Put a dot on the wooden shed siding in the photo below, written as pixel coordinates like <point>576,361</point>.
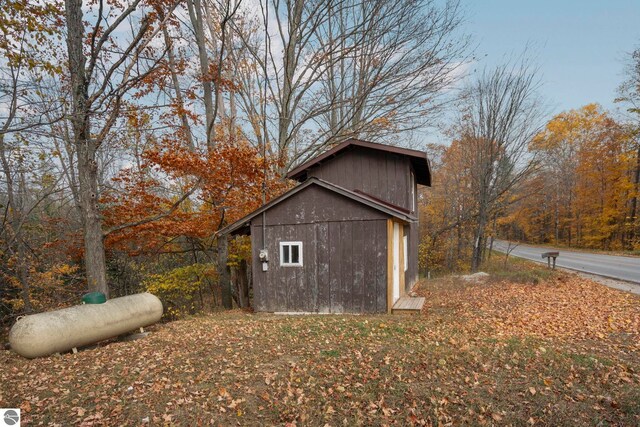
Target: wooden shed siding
<point>317,204</point>
<point>380,174</point>
<point>321,246</point>
<point>344,268</point>
<point>381,268</point>
<point>345,265</point>
<point>383,175</point>
<point>344,255</point>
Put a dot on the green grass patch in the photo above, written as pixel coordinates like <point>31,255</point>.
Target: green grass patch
<point>330,353</point>
<point>517,270</point>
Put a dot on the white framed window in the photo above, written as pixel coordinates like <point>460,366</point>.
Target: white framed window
<point>291,254</point>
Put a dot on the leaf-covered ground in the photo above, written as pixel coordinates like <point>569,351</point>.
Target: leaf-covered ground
<point>563,352</point>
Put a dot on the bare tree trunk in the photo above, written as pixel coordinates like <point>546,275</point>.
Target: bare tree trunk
<point>479,241</point>
<point>556,221</point>
<point>510,249</point>
<point>633,210</point>
<point>493,234</point>
<point>23,261</point>
<point>23,276</point>
<point>94,256</point>
<point>459,241</point>
<point>195,15</point>
<point>15,218</point>
<point>496,125</point>
<point>177,89</point>
<point>290,64</point>
<point>223,272</point>
<point>240,278</point>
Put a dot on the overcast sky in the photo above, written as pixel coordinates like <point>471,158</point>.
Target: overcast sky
<point>579,45</point>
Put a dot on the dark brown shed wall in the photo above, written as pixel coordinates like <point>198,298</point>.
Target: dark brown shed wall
<point>344,268</point>
<point>315,204</point>
<point>380,174</point>
<point>383,175</point>
<point>344,256</point>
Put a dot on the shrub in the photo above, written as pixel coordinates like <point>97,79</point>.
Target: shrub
<point>182,289</point>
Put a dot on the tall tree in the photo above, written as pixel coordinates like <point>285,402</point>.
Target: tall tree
<point>499,115</point>
<point>387,74</point>
<point>329,70</point>
<point>630,96</point>
<point>27,34</point>
<point>103,68</point>
<point>586,164</point>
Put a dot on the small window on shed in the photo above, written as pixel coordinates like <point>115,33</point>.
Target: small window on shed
<point>291,254</point>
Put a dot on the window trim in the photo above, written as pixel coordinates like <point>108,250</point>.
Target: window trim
<point>291,244</point>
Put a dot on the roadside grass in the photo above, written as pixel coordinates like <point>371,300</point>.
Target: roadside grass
<point>516,269</point>
<point>561,352</point>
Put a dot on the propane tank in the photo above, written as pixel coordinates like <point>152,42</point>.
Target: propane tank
<point>62,330</point>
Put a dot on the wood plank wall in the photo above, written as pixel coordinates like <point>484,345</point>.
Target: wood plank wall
<point>382,175</point>
<point>344,268</point>
<point>344,256</point>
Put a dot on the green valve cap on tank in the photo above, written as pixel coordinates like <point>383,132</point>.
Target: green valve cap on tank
<point>94,298</point>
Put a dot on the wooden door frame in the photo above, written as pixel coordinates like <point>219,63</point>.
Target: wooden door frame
<point>401,273</point>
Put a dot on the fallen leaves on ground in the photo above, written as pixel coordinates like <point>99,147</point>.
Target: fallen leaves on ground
<point>562,352</point>
<point>565,306</point>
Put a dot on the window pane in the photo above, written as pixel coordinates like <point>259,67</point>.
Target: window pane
<point>295,254</point>
<point>285,254</point>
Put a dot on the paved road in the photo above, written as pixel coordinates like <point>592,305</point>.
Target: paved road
<point>613,266</point>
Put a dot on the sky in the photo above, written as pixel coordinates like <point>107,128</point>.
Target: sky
<point>579,45</point>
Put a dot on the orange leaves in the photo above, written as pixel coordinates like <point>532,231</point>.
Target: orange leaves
<point>222,183</point>
<point>568,306</point>
<point>233,368</point>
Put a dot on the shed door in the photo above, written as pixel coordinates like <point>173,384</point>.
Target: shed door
<point>397,242</point>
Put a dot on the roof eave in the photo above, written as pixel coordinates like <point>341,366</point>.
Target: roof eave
<point>246,220</point>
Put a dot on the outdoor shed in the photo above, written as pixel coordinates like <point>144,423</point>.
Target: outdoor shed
<point>345,239</point>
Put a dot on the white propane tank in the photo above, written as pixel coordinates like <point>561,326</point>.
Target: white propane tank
<point>61,330</point>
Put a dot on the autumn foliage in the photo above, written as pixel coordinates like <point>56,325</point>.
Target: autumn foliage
<point>580,192</point>
<point>207,189</point>
<point>583,191</point>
